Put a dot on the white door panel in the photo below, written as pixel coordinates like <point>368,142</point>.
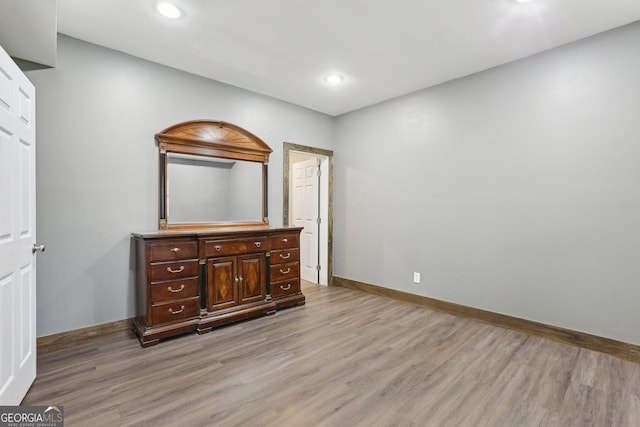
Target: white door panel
<point>305,213</point>
<point>17,233</point>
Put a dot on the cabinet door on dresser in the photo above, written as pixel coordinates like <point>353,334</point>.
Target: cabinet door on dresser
<point>251,273</point>
<point>222,286</point>
<point>236,272</point>
<point>235,280</point>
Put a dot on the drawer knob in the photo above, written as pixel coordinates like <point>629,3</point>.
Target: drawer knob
<point>177,311</point>
<point>175,250</point>
<point>181,269</point>
<point>287,288</point>
<point>287,271</point>
<point>285,240</point>
<point>286,257</point>
<point>170,289</point>
<point>258,244</point>
<point>217,247</point>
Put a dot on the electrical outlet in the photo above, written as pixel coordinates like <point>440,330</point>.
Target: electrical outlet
<point>416,277</point>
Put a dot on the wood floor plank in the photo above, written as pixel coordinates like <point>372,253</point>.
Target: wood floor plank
<point>346,358</point>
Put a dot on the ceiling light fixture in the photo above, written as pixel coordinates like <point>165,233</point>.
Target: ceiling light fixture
<point>523,1</point>
<point>333,79</point>
<point>169,10</point>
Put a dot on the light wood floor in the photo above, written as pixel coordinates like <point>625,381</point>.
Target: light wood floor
<point>347,358</point>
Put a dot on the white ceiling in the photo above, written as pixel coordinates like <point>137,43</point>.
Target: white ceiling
<point>384,48</point>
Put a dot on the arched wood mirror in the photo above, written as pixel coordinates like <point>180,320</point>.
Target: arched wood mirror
<point>212,174</point>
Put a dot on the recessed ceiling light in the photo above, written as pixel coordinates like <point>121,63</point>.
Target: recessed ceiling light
<point>333,79</point>
<point>169,10</point>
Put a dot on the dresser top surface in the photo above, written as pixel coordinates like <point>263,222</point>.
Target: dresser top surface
<point>163,234</point>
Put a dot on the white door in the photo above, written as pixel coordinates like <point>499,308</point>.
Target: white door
<point>17,233</point>
<point>305,214</point>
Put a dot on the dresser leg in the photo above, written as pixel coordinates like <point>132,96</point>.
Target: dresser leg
<point>150,343</point>
<point>203,330</point>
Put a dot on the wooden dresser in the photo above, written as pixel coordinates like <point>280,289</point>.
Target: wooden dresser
<point>196,280</point>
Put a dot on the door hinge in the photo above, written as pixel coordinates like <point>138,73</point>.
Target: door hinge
<point>318,220</point>
<point>318,267</point>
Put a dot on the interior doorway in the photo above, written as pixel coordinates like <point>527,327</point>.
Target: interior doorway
<point>308,203</point>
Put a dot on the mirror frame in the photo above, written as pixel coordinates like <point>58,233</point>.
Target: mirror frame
<point>210,139</point>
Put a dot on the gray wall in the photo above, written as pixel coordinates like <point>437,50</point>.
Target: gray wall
<point>515,190</point>
<point>97,169</point>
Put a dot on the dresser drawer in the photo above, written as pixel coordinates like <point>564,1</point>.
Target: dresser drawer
<point>173,270</point>
<point>285,287</point>
<point>174,289</point>
<point>286,271</point>
<point>215,248</point>
<point>173,251</point>
<point>284,241</point>
<point>176,310</point>
<point>284,255</point>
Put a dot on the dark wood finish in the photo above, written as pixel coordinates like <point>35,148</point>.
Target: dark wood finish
<point>285,240</point>
<point>609,346</point>
<point>152,336</point>
<point>236,280</point>
<point>285,288</point>
<point>284,274</point>
<point>349,358</point>
<point>227,281</point>
<point>175,310</point>
<point>253,287</point>
<point>285,255</point>
<point>163,305</point>
<point>55,342</point>
<point>215,139</point>
<point>173,270</point>
<point>221,283</point>
<point>217,247</point>
<point>174,289</point>
<point>287,271</point>
<point>173,251</point>
<point>210,139</point>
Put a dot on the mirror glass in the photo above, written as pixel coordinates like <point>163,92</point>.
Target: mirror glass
<point>204,189</point>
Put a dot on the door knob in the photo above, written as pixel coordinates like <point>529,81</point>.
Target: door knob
<point>37,248</point>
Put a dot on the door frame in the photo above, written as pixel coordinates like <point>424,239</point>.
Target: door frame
<point>287,148</point>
